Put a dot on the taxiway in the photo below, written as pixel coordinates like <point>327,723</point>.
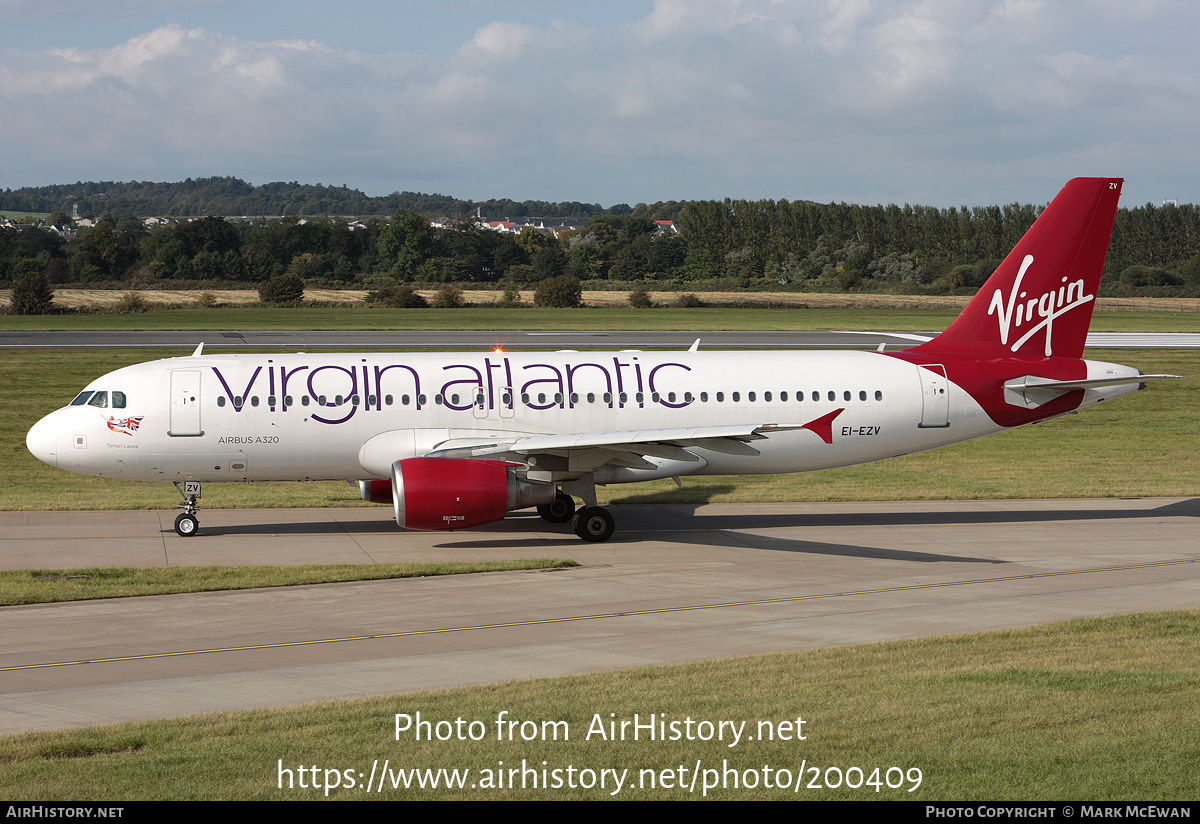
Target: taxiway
<point>678,583</point>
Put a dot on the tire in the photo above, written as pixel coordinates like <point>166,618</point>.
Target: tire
<point>594,524</point>
<point>186,525</point>
<point>561,510</point>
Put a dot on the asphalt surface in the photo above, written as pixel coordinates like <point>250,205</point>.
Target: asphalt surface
<point>676,583</point>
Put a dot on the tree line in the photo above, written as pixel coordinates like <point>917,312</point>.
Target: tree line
<point>232,196</point>
<point>720,244</point>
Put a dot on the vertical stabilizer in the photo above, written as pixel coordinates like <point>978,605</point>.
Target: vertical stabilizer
<point>1039,301</point>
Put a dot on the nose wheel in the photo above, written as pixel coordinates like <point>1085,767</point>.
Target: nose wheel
<point>186,522</point>
<point>186,525</point>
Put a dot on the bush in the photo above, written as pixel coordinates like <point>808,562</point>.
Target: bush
<point>688,301</point>
<point>640,299</point>
<point>131,302</point>
<point>282,290</point>
<point>32,295</point>
<point>512,296</point>
<point>397,296</point>
<point>449,298</point>
<point>1142,276</point>
<point>562,292</point>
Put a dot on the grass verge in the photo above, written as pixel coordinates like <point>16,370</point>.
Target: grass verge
<point>1094,709</point>
<point>43,586</point>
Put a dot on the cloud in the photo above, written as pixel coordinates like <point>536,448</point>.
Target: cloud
<point>925,101</point>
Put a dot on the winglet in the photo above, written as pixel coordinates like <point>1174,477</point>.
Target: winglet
<point>199,350</point>
<point>823,425</point>
<point>695,347</point>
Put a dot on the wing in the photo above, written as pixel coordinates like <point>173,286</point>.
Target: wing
<point>591,450</point>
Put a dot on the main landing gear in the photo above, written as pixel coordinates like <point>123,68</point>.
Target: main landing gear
<point>559,511</point>
<point>186,523</point>
<point>591,523</point>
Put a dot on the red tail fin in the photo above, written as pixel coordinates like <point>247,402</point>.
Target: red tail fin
<point>1039,301</point>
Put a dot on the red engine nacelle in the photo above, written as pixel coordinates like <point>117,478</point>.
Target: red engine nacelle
<point>449,493</point>
<point>375,492</point>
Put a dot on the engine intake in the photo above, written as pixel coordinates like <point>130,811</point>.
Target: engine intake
<point>449,493</point>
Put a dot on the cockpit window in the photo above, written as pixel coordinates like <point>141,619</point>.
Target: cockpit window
<point>100,399</point>
<point>81,398</point>
<point>118,400</point>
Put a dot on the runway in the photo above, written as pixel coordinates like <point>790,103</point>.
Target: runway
<point>677,583</point>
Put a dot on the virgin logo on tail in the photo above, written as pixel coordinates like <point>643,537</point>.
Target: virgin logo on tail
<point>1047,307</point>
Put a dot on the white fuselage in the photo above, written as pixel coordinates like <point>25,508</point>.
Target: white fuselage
<point>350,416</point>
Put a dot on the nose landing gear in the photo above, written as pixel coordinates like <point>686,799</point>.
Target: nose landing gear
<point>186,523</point>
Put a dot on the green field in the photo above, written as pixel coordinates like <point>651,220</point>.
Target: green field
<point>610,318</point>
<point>1096,709</point>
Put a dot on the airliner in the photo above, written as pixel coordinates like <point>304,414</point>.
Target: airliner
<point>454,441</point>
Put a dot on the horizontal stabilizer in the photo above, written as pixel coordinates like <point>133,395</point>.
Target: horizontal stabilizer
<point>1032,391</point>
<point>1032,382</point>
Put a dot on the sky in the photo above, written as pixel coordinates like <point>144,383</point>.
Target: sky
<point>935,102</point>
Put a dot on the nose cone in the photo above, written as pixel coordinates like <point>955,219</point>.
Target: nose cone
<point>42,441</point>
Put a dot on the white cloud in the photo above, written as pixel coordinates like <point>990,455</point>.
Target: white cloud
<point>860,99</point>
